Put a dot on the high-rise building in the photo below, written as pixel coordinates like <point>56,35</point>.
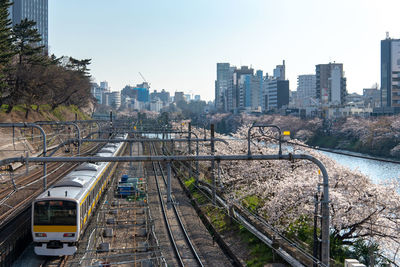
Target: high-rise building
<point>280,72</point>
<point>223,87</point>
<point>178,97</point>
<point>36,10</point>
<point>390,73</point>
<point>113,99</point>
<point>306,89</point>
<point>330,83</point>
<point>250,85</point>
<point>238,90</point>
<point>261,81</point>
<point>163,96</point>
<point>188,97</point>
<point>143,93</point>
<point>104,85</point>
<point>277,94</point>
<point>99,92</point>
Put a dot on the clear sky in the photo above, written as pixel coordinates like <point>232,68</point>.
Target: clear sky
<point>176,44</point>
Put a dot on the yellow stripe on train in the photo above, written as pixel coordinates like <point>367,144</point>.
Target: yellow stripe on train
<point>55,228</point>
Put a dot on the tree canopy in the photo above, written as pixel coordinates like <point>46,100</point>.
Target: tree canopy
<point>361,211</point>
<point>29,77</point>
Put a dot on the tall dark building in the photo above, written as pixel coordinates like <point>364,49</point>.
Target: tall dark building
<point>277,94</point>
<point>178,97</point>
<point>390,73</point>
<point>36,10</point>
<point>330,83</point>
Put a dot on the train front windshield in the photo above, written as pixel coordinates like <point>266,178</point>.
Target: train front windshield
<point>54,212</point>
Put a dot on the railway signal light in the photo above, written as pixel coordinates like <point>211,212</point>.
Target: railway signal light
<point>286,135</point>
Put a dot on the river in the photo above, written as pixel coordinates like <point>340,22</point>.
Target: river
<point>377,170</point>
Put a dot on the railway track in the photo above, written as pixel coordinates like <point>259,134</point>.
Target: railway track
<point>184,250</point>
<point>290,250</point>
<point>54,262</point>
<point>18,197</point>
<point>15,222</point>
<point>23,180</point>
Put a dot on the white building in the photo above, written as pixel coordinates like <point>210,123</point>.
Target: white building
<point>336,80</point>
<point>306,90</point>
<point>156,105</point>
<point>113,99</point>
<point>99,93</point>
<point>341,112</point>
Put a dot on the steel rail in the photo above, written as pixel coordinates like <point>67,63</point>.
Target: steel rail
<point>32,125</point>
<point>203,186</point>
<point>287,257</point>
<point>182,226</point>
<point>169,230</point>
<point>290,157</point>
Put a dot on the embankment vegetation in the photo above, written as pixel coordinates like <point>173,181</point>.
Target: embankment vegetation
<point>30,78</point>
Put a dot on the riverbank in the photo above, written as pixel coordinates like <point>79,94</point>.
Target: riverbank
<point>374,136</point>
<point>340,144</point>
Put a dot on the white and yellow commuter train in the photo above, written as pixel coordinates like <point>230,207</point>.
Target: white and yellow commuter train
<point>61,213</point>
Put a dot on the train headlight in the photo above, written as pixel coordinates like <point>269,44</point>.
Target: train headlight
<point>69,234</point>
<point>40,234</point>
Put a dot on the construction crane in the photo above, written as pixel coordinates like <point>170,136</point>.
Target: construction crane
<point>143,78</point>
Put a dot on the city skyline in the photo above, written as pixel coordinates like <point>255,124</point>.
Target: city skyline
<point>176,45</point>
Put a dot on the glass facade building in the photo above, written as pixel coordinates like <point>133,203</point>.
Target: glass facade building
<point>390,73</point>
<point>36,10</point>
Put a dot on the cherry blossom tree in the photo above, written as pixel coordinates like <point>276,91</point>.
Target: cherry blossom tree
<point>358,207</point>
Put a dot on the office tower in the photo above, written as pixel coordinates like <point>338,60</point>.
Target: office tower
<point>143,92</point>
<point>36,10</point>
<point>260,77</point>
<point>277,94</point>
<point>250,85</point>
<point>238,90</point>
<point>223,87</point>
<point>390,73</point>
<point>330,83</point>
